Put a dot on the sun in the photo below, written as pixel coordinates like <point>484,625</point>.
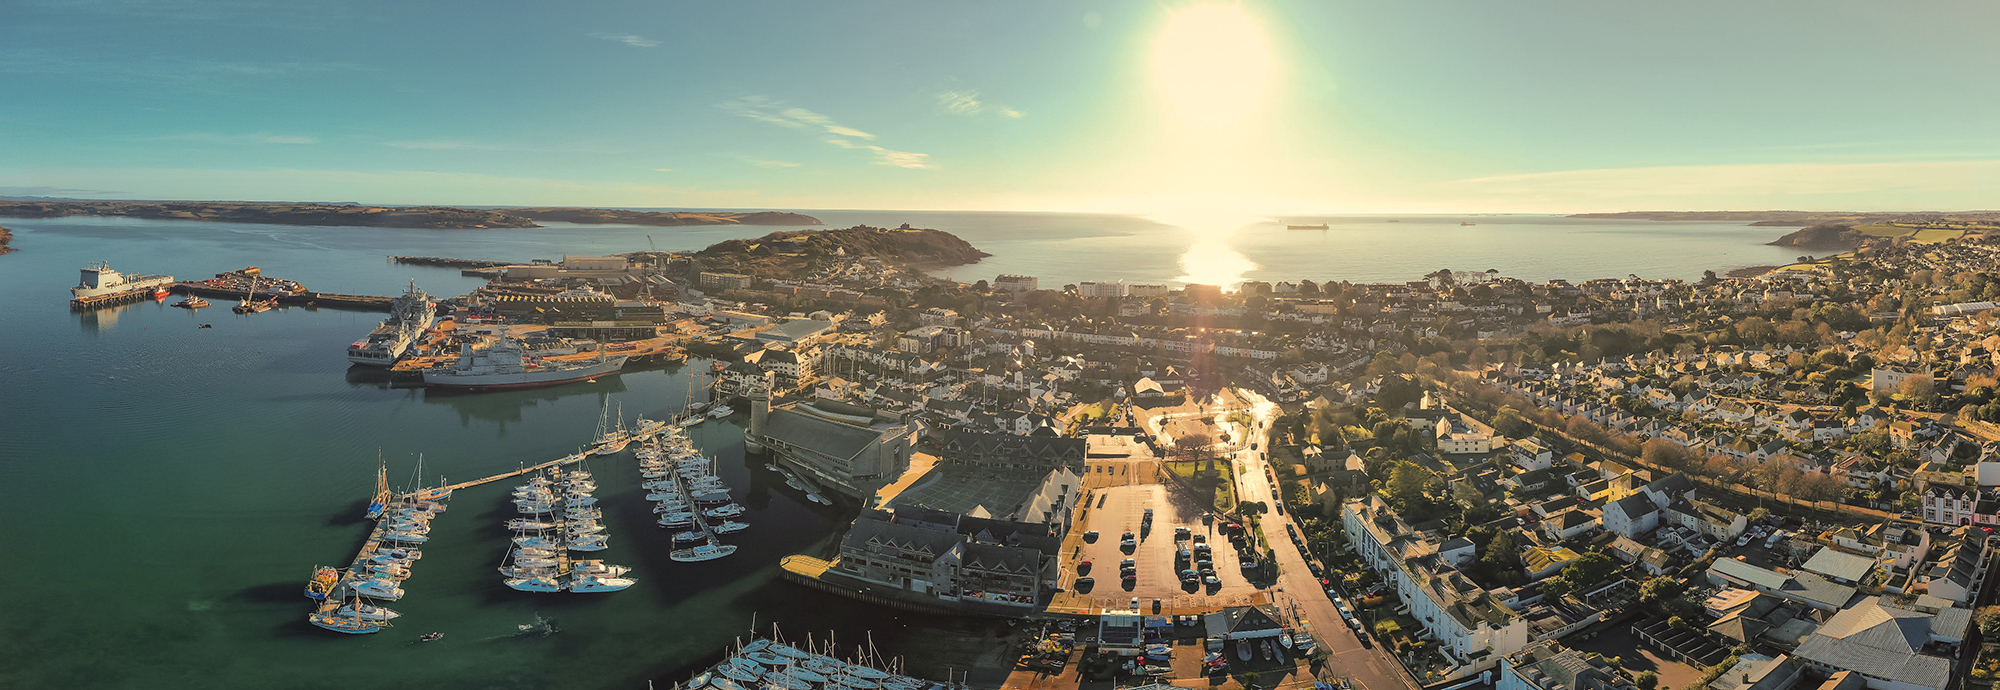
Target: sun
<point>1213,65</point>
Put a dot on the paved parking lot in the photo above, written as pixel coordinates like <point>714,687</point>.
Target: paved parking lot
<point>1115,510</point>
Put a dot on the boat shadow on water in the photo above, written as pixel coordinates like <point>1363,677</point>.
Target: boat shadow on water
<point>354,514</point>
<point>272,593</point>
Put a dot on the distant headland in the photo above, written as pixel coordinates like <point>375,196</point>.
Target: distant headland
<point>433,217</point>
<point>5,237</point>
<point>1839,230</point>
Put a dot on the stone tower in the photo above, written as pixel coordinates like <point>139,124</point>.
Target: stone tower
<point>760,413</point>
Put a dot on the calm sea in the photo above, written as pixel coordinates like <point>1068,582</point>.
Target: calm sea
<point>171,487</point>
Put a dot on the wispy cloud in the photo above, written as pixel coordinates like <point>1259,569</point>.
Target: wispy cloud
<point>763,163</point>
<point>633,40</point>
<point>891,157</point>
<point>773,111</point>
<point>463,145</point>
<point>968,102</point>
<point>253,138</point>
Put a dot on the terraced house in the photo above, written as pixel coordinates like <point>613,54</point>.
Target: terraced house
<point>1469,623</point>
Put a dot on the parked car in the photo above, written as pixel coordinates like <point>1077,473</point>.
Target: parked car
<point>1090,536</point>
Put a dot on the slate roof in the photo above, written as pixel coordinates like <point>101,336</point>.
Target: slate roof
<point>1840,565</point>
<point>1879,642</point>
<point>822,435</point>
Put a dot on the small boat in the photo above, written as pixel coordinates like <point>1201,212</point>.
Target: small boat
<point>431,637</point>
<point>705,552</point>
<point>322,583</point>
<point>364,611</point>
<point>534,584</point>
<point>720,412</point>
<point>591,543</point>
<point>598,568</point>
<point>1264,650</point>
<point>730,527</point>
<point>192,302</point>
<point>677,519</point>
<point>518,524</point>
<point>1285,640</point>
<point>1243,650</point>
<point>351,626</point>
<point>594,583</point>
<point>689,537</point>
<point>1467,224</point>
<point>160,293</point>
<point>716,497</point>
<point>376,588</point>
<point>731,510</point>
<point>691,421</point>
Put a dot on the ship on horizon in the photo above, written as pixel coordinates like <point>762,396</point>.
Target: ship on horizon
<point>1321,226</point>
<point>409,316</point>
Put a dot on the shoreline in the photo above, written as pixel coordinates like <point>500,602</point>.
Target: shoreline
<point>5,237</point>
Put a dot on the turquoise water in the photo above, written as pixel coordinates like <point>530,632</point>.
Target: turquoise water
<point>173,486</point>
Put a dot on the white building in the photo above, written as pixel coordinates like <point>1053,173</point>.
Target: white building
<point>1463,618</point>
<point>1096,289</point>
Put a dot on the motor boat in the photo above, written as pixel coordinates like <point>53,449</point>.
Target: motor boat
<point>730,527</point>
<point>537,541</point>
<point>594,583</point>
<point>366,612</point>
<point>730,510</point>
<point>595,542</point>
<point>534,584</point>
<point>377,588</point>
<point>598,568</point>
<point>677,519</point>
<point>705,552</point>
<point>519,524</point>
<point>689,537</point>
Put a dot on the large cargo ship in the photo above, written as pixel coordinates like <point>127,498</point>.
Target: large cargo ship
<point>99,280</point>
<point>503,363</point>
<point>409,316</point>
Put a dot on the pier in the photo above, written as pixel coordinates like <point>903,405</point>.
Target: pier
<point>307,299</point>
<point>100,301</point>
<point>451,263</point>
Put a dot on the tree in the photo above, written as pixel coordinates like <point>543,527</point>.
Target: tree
<point>1989,620</point>
<point>1646,680</point>
<point>1590,570</point>
<point>1406,487</point>
<point>1501,554</point>
<point>1759,515</point>
<point>1659,589</point>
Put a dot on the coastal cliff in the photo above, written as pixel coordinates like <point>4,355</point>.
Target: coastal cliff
<point>1828,236</point>
<point>5,237</point>
<point>794,253</point>
<point>354,215</point>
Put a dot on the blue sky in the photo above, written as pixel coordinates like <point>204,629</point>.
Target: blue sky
<point>1414,105</point>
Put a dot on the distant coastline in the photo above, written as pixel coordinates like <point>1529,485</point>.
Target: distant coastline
<point>1800,218</point>
<point>354,215</point>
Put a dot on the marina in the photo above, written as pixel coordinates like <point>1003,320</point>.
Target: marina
<point>773,663</point>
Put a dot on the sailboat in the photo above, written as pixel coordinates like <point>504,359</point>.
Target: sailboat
<point>380,501</point>
<point>348,619</point>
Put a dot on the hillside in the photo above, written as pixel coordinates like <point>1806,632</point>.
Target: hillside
<point>610,216</point>
<point>796,253</point>
<point>355,215</point>
<point>1822,237</point>
<point>1805,218</point>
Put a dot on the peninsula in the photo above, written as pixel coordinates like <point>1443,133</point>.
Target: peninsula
<point>797,253</point>
<point>5,237</point>
<point>434,217</point>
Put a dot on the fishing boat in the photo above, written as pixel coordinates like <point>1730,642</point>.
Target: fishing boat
<point>322,583</point>
<point>191,302</point>
<point>705,552</point>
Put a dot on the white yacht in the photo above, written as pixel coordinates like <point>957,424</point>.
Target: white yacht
<point>705,552</point>
<point>594,583</point>
<point>377,588</point>
<point>363,611</point>
<point>534,584</point>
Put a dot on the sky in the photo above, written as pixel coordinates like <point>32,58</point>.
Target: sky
<point>1165,106</point>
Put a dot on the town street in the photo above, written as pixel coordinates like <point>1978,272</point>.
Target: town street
<point>1297,593</point>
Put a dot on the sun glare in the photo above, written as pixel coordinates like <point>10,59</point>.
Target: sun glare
<point>1212,65</point>
<point>1214,73</point>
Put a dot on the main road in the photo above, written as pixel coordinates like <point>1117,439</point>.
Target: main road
<point>1297,592</point>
